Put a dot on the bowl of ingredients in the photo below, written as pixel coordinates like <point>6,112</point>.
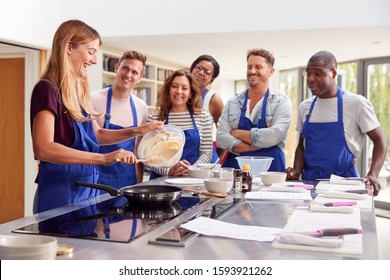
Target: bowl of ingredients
<point>269,178</point>
<point>218,185</point>
<point>163,148</point>
<point>257,164</point>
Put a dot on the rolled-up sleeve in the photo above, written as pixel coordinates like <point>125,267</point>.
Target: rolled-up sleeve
<point>278,116</point>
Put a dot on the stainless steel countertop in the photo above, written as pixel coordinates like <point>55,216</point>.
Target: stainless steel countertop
<point>261,213</point>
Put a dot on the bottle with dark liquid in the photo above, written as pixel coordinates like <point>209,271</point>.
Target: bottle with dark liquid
<point>246,178</point>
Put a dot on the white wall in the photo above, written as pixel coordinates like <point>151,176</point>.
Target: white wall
<point>33,22</point>
<point>151,17</point>
<point>29,22</point>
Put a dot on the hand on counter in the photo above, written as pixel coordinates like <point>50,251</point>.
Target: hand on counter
<point>180,168</point>
<point>292,174</point>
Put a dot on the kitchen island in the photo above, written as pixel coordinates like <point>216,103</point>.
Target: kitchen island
<point>148,245</point>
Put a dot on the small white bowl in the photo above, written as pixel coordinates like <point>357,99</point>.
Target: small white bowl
<point>209,166</point>
<point>269,178</point>
<point>28,247</point>
<point>199,173</point>
<point>218,185</point>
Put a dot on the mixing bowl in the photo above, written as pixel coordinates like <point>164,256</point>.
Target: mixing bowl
<point>258,164</point>
<point>157,145</point>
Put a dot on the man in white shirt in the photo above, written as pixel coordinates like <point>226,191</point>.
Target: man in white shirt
<point>122,109</point>
<point>333,126</point>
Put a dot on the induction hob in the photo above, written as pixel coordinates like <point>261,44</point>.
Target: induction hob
<point>111,220</point>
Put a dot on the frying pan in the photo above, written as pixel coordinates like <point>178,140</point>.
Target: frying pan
<point>142,195</point>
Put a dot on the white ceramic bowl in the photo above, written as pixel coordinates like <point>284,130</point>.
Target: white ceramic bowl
<point>28,247</point>
<point>258,164</point>
<point>218,185</point>
<point>269,178</point>
<point>209,166</point>
<point>199,173</point>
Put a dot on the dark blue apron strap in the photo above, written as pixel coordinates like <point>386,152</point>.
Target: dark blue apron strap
<point>134,110</point>
<point>339,105</point>
<point>264,106</point>
<point>241,122</point>
<point>193,120</point>
<point>263,110</point>
<point>108,109</point>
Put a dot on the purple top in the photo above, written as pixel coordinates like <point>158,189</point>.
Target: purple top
<point>46,97</point>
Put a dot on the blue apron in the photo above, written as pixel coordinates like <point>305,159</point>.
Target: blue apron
<point>56,182</point>
<point>279,162</point>
<point>191,146</point>
<point>118,175</point>
<point>326,150</point>
<point>215,154</point>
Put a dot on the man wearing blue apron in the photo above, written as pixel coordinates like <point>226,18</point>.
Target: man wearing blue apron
<point>256,121</point>
<point>279,162</point>
<point>326,150</point>
<point>333,125</point>
<point>118,175</point>
<point>122,109</point>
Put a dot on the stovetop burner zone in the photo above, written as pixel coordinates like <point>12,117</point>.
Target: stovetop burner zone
<point>111,220</point>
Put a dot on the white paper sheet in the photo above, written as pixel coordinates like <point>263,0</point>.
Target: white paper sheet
<point>213,227</point>
<point>268,195</point>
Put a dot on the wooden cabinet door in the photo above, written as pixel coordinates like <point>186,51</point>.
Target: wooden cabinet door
<point>11,139</point>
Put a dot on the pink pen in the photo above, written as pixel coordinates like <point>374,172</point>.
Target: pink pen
<point>303,186</point>
<point>340,203</point>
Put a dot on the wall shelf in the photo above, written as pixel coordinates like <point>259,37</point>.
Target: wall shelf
<point>103,75</point>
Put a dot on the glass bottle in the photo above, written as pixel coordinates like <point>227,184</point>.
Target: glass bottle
<point>237,180</point>
<point>246,178</point>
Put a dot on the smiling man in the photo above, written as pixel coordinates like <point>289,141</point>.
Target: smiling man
<point>256,121</point>
<point>122,109</point>
<point>333,125</point>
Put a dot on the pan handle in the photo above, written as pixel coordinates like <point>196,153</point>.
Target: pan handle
<point>112,191</point>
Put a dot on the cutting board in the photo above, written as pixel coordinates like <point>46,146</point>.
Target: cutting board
<point>302,220</point>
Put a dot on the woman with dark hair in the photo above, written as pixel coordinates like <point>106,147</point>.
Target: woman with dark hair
<point>179,103</point>
<point>205,70</point>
